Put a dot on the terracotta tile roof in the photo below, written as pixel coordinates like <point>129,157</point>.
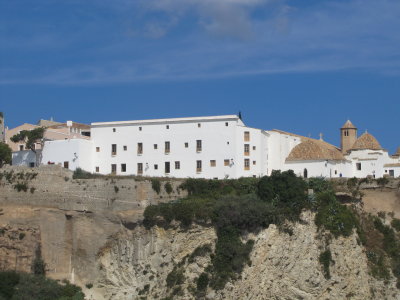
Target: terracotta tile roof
<point>311,149</point>
<point>366,141</point>
<point>348,125</point>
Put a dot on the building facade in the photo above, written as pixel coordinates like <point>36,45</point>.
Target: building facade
<point>201,147</point>
<point>213,147</point>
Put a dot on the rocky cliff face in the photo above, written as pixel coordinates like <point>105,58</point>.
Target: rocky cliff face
<point>105,245</point>
<point>137,263</point>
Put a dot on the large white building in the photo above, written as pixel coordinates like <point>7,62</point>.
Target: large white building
<point>217,147</point>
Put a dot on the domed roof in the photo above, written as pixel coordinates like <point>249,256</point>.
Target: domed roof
<point>314,150</point>
<point>366,141</point>
<point>348,125</point>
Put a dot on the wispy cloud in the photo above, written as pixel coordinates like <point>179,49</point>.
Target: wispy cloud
<point>201,39</point>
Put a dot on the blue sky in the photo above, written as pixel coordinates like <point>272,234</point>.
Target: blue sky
<point>301,66</point>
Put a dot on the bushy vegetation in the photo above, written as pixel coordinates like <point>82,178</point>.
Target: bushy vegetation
<point>5,154</point>
<point>396,224</point>
<point>333,216</point>
<point>22,286</point>
<point>168,188</point>
<point>325,260</point>
<point>156,185</point>
<point>247,205</point>
<point>233,207</point>
<point>82,174</point>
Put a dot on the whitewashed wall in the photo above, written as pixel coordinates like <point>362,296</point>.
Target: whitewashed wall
<point>319,168</point>
<point>279,147</point>
<point>77,152</point>
<point>222,139</point>
<point>372,162</point>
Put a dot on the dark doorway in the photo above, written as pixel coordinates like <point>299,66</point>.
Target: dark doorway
<point>167,167</point>
<point>305,173</point>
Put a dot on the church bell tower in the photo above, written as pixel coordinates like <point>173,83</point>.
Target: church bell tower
<point>348,136</point>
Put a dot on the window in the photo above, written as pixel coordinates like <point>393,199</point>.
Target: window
<point>226,124</point>
<point>125,148</point>
<point>198,166</point>
<point>246,149</point>
<point>140,148</point>
<point>114,130</point>
<point>213,163</point>
<point>167,126</point>
<point>140,128</point>
<point>155,146</point>
<point>97,149</point>
<point>155,167</point>
<point>254,147</point>
<point>254,162</point>
<point>167,167</point>
<point>66,164</point>
<point>198,146</point>
<point>21,147</point>
<point>246,136</point>
<point>31,165</point>
<point>97,169</point>
<point>198,125</point>
<point>247,164</point>
<point>123,168</point>
<point>113,169</point>
<point>358,165</point>
<point>227,143</point>
<point>226,162</point>
<point>167,147</point>
<point>177,165</point>
<point>140,168</point>
<point>114,149</point>
<point>186,145</point>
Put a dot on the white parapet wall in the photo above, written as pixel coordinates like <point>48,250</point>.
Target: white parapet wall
<point>70,153</point>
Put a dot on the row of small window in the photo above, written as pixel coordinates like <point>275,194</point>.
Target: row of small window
<point>167,166</point>
<point>167,147</point>
<point>167,127</point>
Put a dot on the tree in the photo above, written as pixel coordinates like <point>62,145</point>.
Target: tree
<point>5,154</point>
<point>30,138</point>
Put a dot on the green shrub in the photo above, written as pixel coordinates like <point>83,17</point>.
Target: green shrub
<point>352,183</point>
<point>382,181</point>
<point>89,286</point>
<point>22,286</point>
<point>200,251</point>
<point>175,277</point>
<point>335,217</point>
<point>325,260</point>
<point>21,187</point>
<point>202,282</point>
<point>319,184</point>
<point>283,189</point>
<point>168,188</point>
<point>396,224</point>
<point>156,185</point>
<point>38,265</point>
<point>81,174</point>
